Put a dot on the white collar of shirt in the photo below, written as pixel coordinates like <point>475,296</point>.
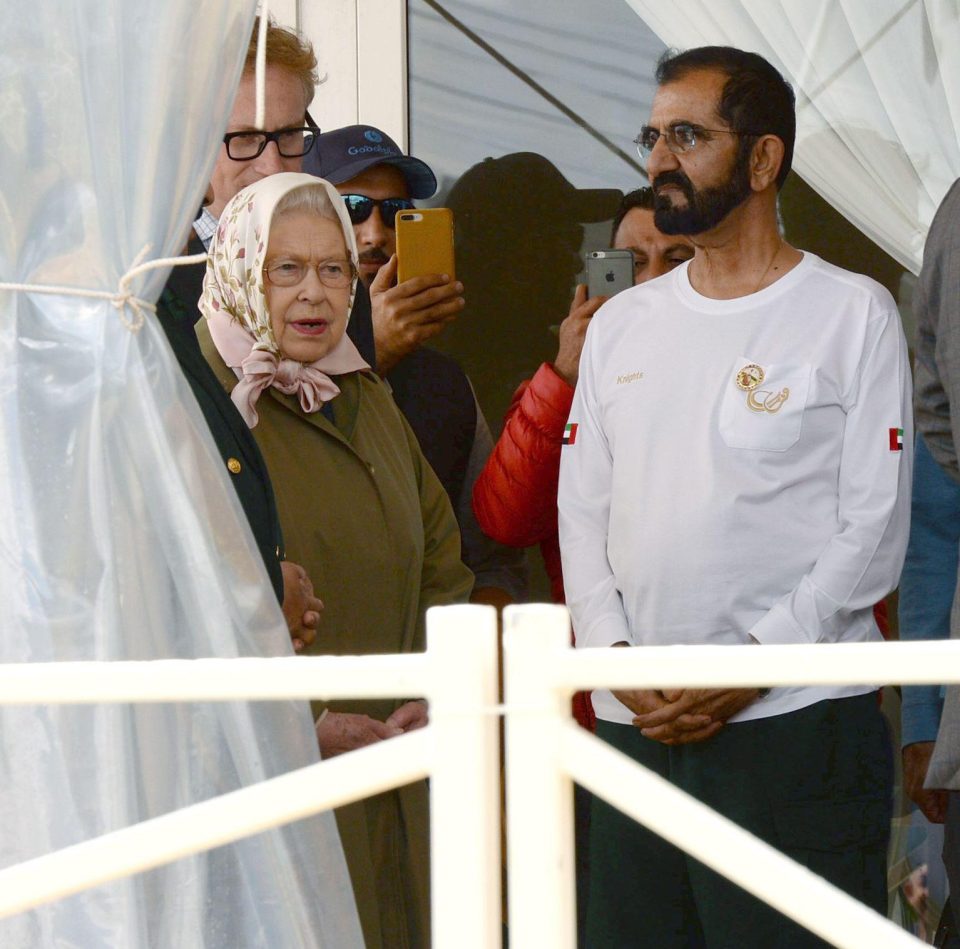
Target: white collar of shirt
<point>205,227</point>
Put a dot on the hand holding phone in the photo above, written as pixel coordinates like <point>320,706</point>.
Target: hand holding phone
<point>421,303</point>
<point>572,332</point>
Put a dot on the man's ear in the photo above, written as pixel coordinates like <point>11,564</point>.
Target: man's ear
<point>766,157</point>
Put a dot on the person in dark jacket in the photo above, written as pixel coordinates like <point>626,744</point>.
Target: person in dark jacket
<point>246,156</point>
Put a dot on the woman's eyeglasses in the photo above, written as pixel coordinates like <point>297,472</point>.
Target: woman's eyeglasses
<point>360,207</point>
<point>289,272</point>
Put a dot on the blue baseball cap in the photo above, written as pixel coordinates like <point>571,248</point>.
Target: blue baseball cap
<point>343,153</point>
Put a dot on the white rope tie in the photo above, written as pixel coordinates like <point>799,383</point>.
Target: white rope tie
<point>128,305</point>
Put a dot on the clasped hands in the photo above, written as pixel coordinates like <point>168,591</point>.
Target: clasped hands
<point>682,716</point>
<point>339,732</point>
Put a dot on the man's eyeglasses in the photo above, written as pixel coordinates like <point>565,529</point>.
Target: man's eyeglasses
<point>290,142</point>
<point>679,138</point>
<point>360,207</point>
<point>337,273</point>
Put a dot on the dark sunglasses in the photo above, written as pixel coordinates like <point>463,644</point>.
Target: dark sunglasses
<point>360,207</point>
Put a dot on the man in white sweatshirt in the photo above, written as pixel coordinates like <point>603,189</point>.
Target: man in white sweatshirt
<point>735,471</point>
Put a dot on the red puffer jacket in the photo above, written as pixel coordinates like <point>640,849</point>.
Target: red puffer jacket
<point>515,497</point>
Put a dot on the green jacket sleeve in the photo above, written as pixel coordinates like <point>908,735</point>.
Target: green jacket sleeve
<point>444,579</point>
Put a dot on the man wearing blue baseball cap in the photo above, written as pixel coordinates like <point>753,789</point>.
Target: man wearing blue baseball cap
<point>377,180</point>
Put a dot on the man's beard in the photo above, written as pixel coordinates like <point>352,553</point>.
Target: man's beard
<point>372,256</point>
<point>704,209</point>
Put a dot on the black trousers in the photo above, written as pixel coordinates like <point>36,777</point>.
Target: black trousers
<point>951,860</point>
<point>816,784</point>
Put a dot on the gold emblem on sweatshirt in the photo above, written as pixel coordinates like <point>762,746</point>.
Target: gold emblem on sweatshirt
<point>764,401</point>
<point>749,377</point>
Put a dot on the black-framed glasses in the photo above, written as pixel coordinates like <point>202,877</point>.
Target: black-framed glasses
<point>360,207</point>
<point>291,142</point>
<point>679,138</point>
<point>336,273</point>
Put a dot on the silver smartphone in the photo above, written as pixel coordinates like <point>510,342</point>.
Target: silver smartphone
<point>609,272</point>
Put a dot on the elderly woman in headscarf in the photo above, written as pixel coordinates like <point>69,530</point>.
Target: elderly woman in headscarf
<point>360,507</point>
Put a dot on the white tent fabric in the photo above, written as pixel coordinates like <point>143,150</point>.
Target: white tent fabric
<point>878,97</point>
<point>120,535</point>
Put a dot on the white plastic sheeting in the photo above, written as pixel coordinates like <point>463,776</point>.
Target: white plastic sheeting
<point>594,56</point>
<point>878,97</point>
<point>120,535</point>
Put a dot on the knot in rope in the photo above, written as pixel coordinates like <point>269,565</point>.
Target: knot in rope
<point>130,308</point>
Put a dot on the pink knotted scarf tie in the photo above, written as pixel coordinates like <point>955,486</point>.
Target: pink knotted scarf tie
<point>262,369</point>
<point>258,368</point>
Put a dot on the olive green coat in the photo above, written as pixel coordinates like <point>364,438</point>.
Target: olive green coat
<point>365,515</point>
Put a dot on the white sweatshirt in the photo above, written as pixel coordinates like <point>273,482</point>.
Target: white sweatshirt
<point>688,516</point>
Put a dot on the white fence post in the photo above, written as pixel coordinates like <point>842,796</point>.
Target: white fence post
<point>542,904</point>
<point>465,783</point>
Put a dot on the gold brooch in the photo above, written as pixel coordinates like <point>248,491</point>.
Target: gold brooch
<point>750,377</point>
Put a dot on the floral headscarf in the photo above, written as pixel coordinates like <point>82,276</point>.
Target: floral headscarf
<point>235,305</point>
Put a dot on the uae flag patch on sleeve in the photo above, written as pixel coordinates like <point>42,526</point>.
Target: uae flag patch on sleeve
<point>570,433</point>
<point>896,439</point>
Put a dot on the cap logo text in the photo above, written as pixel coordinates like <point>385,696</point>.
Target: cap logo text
<point>366,149</point>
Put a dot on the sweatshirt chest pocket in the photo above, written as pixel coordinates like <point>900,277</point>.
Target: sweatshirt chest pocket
<point>762,407</point>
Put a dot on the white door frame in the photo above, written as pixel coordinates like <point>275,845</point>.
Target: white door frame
<point>361,47</point>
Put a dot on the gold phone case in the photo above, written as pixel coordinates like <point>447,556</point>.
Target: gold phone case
<point>425,243</point>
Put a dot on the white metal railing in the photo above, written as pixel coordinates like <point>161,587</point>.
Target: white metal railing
<point>546,751</point>
<point>458,749</point>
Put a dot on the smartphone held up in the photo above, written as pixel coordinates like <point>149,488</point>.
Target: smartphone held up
<point>608,272</point>
<point>425,243</point>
